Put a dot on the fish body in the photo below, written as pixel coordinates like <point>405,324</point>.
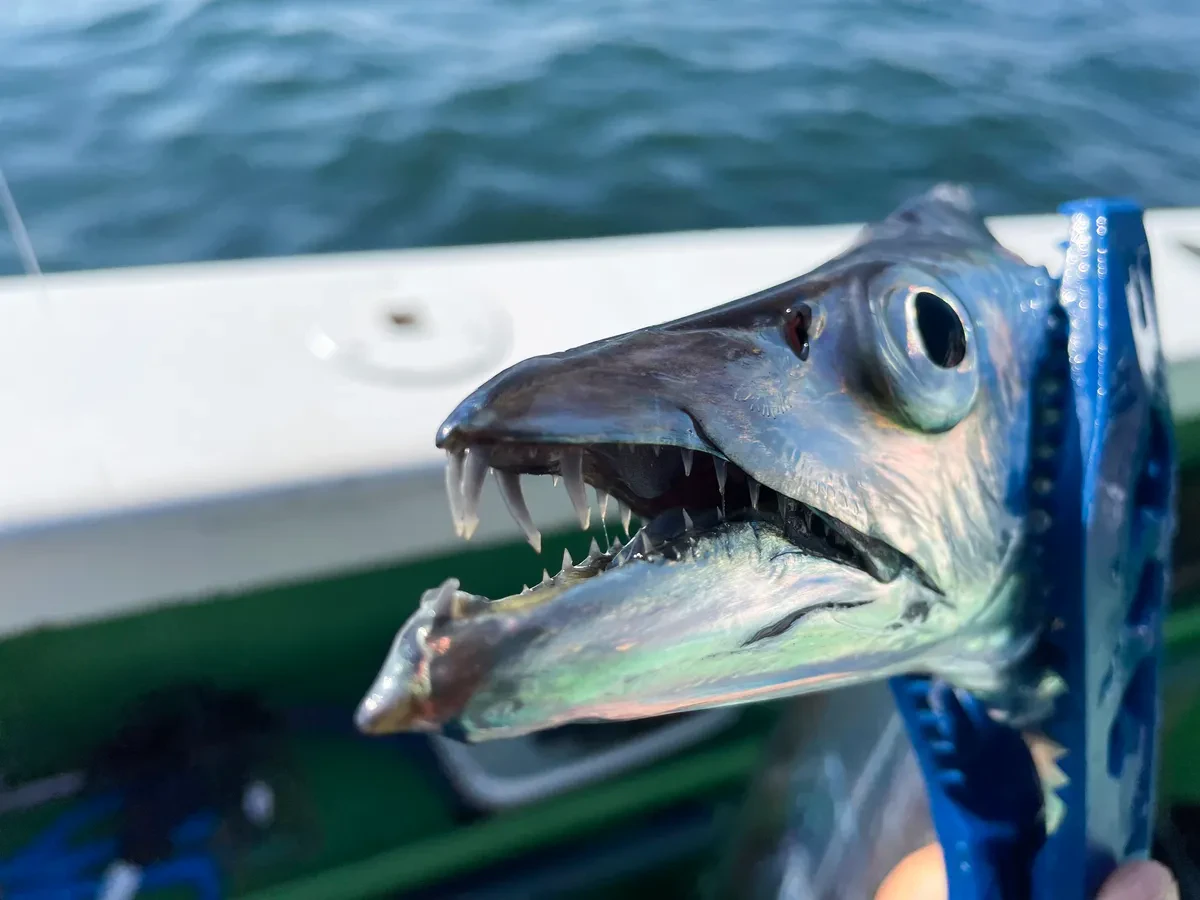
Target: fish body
<point>834,479</point>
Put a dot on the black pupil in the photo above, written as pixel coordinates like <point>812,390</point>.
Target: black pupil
<point>798,324</point>
<point>941,330</point>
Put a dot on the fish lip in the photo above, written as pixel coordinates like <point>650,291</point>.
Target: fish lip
<point>608,467</point>
<point>377,715</point>
<point>402,695</point>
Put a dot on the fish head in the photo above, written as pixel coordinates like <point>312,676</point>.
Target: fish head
<point>831,474</point>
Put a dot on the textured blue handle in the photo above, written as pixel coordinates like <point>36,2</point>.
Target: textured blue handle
<point>1097,567</point>
<point>983,790</point>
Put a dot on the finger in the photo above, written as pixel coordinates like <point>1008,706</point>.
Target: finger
<point>1141,880</point>
<point>920,876</point>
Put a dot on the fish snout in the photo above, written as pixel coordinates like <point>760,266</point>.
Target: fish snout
<point>444,641</point>
<point>610,394</point>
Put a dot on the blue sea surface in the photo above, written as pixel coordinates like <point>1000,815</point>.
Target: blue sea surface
<point>159,131</point>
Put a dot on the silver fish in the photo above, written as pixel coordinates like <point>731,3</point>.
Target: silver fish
<point>885,399</point>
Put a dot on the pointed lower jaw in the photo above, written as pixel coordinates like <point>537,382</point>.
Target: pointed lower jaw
<point>468,628</point>
<point>381,713</point>
<point>736,615</point>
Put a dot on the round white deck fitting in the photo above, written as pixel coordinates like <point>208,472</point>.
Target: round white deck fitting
<point>402,338</point>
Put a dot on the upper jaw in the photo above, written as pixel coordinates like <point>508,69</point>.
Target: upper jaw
<point>676,491</point>
<point>713,412</point>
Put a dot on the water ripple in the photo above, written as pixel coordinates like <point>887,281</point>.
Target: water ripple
<point>152,131</point>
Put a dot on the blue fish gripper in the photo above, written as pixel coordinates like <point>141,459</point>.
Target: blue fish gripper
<point>1102,517</point>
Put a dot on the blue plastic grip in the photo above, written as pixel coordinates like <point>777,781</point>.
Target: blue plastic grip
<point>1097,574</point>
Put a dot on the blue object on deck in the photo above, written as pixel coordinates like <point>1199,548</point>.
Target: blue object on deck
<point>1102,518</point>
<point>56,866</point>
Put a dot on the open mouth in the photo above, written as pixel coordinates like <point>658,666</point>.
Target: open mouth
<point>681,495</point>
<point>728,590</point>
<point>731,590</point>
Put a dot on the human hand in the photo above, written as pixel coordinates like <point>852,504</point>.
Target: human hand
<point>922,876</point>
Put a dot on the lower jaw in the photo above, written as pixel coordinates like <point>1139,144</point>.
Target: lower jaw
<point>653,639</point>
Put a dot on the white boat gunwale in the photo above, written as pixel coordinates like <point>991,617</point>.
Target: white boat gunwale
<point>174,432</point>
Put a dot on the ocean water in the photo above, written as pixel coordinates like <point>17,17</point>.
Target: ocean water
<point>158,131</point>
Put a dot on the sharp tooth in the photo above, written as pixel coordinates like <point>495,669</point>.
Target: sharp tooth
<point>687,521</point>
<point>525,589</point>
<point>454,477</point>
<point>554,480</point>
<point>657,449</point>
<point>546,579</point>
<point>602,502</point>
<point>475,469</point>
<point>615,548</point>
<point>593,550</point>
<point>439,601</point>
<point>785,507</point>
<point>753,486</point>
<point>572,473</point>
<point>719,466</point>
<point>687,461</point>
<point>510,489</point>
<point>568,563</point>
<point>626,516</point>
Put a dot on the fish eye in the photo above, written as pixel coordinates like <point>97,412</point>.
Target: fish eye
<point>798,328</point>
<point>940,329</point>
<point>924,349</point>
